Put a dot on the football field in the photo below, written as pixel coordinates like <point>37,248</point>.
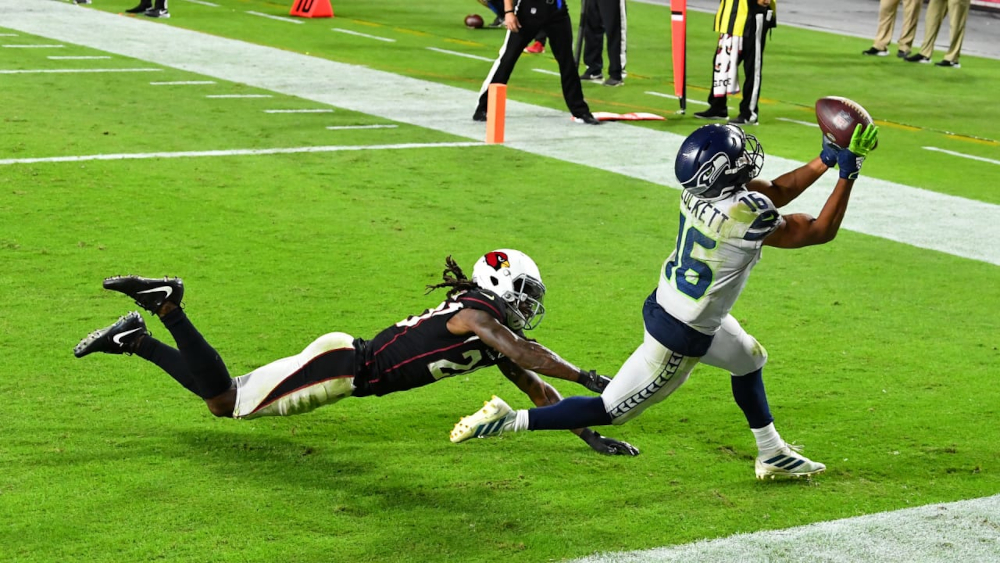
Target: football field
<point>310,176</point>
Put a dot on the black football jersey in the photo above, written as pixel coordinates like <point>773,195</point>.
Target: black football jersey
<point>420,350</point>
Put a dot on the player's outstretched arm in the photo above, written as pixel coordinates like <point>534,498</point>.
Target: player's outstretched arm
<point>799,230</point>
<point>525,353</point>
<point>785,188</point>
<point>543,394</point>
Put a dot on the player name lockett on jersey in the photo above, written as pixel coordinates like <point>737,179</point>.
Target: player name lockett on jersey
<point>700,209</point>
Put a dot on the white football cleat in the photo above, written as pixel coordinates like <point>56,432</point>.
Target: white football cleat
<point>787,462</point>
<point>495,417</point>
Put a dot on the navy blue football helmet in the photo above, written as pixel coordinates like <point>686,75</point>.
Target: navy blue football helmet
<point>716,158</point>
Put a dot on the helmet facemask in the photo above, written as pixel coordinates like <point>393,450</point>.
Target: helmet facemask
<point>526,309</point>
<point>515,278</point>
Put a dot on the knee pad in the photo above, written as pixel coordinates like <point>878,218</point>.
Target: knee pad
<point>327,342</point>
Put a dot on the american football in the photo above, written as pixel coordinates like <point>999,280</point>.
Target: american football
<point>473,21</point>
<point>837,118</point>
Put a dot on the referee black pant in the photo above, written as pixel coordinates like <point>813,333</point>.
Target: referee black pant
<point>605,18</point>
<point>752,58</point>
<point>556,24</point>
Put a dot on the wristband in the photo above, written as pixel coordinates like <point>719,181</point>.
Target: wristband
<point>505,12</point>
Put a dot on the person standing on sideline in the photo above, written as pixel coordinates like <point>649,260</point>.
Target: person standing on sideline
<point>147,8</point>
<point>742,26</point>
<point>958,13</point>
<point>523,24</point>
<point>887,19</point>
<point>605,18</point>
<point>727,215</point>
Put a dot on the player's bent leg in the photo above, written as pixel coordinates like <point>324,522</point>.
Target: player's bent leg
<point>651,374</point>
<point>321,374</point>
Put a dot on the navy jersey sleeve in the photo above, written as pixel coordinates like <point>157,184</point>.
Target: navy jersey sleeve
<point>484,301</point>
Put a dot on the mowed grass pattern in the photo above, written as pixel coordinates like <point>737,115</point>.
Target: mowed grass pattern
<point>882,355</point>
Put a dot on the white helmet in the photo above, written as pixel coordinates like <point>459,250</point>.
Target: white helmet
<point>513,276</point>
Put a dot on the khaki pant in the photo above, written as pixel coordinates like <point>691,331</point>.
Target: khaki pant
<point>958,12</point>
<point>887,18</point>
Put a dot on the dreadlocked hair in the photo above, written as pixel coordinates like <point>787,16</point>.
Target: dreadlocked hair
<point>454,279</point>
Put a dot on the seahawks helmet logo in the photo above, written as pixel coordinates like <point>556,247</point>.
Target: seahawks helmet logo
<point>709,172</point>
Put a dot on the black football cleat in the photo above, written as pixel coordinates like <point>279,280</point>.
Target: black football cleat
<point>119,338</point>
<point>149,293</point>
<point>587,118</point>
<point>480,115</point>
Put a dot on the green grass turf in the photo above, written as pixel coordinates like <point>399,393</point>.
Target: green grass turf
<point>882,355</point>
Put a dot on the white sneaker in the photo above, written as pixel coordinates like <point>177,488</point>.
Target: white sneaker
<point>490,420</point>
<point>787,462</point>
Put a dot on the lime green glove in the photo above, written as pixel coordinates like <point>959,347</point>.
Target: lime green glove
<point>863,141</point>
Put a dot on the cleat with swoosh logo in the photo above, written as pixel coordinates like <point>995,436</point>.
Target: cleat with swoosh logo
<point>119,338</point>
<point>148,293</point>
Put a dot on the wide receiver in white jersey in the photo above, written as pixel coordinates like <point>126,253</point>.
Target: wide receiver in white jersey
<point>726,216</point>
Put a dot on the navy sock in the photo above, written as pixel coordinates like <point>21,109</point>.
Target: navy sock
<point>748,390</point>
<point>569,413</point>
<point>168,359</point>
<point>208,370</point>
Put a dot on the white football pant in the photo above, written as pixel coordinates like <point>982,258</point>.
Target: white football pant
<point>653,371</point>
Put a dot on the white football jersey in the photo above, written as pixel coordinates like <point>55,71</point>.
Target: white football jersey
<point>718,243</point>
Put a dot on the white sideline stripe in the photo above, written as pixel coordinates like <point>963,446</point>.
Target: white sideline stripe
<point>359,34</point>
<point>544,71</point>
<point>279,18</point>
<point>342,127</point>
<point>34,46</point>
<point>797,122</point>
<point>460,54</point>
<point>203,3</point>
<point>963,155</point>
<point>929,220</point>
<point>183,83</point>
<point>236,152</point>
<point>8,35</point>
<point>239,96</point>
<point>78,70</point>
<point>298,111</point>
<point>673,97</point>
<point>77,58</point>
<point>963,531</point>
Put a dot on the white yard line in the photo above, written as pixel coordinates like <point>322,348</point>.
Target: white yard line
<point>958,225</point>
<point>963,155</point>
<point>8,35</point>
<point>797,122</point>
<point>235,152</point>
<point>544,71</point>
<point>673,97</point>
<point>321,110</point>
<point>236,96</point>
<point>365,35</point>
<point>961,532</point>
<point>183,83</point>
<point>203,3</point>
<point>79,58</point>
<point>344,127</point>
<point>279,18</point>
<point>78,70</point>
<point>460,54</point>
<point>32,46</point>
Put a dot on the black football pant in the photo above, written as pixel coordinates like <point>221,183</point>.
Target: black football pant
<point>752,58</point>
<point>194,363</point>
<point>605,18</point>
<point>559,29</point>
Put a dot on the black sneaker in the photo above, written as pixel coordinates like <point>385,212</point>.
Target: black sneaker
<point>142,7</point>
<point>592,76</point>
<point>119,338</point>
<point>157,13</point>
<point>712,114</point>
<point>587,118</point>
<point>480,115</point>
<point>497,23</point>
<point>743,121</point>
<point>614,82</point>
<point>917,58</point>
<point>901,54</point>
<point>149,293</point>
<point>948,63</point>
<point>875,52</point>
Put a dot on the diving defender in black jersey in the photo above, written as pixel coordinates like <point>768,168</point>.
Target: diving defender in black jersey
<point>481,323</point>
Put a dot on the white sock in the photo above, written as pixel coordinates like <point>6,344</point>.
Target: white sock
<point>516,421</point>
<point>768,440</point>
